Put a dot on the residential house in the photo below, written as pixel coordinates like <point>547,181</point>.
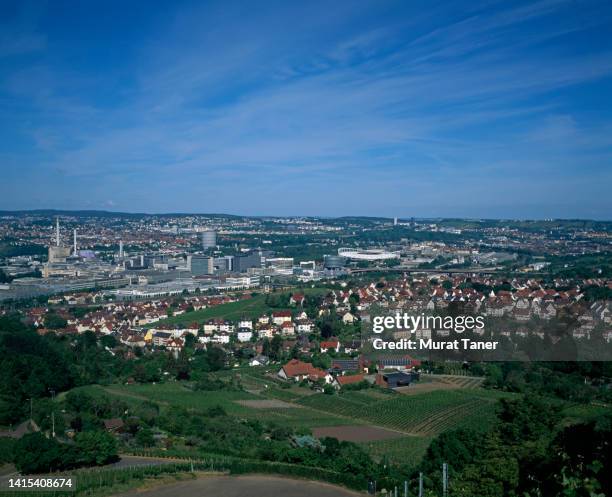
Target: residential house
<point>297,299</point>
<point>161,338</point>
<point>259,360</point>
<point>244,334</point>
<point>340,381</point>
<point>280,317</point>
<point>297,370</point>
<point>331,344</point>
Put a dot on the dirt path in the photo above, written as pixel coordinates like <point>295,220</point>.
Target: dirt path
<point>244,486</point>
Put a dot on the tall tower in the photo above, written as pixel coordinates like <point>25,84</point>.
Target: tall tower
<point>121,249</point>
<point>74,242</point>
<point>57,234</point>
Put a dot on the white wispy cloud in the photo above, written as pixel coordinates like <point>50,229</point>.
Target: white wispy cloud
<point>220,97</point>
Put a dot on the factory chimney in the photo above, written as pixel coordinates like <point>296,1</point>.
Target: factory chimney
<point>74,243</point>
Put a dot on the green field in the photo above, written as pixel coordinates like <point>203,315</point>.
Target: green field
<point>177,394</point>
<point>250,308</point>
<point>406,450</point>
<point>421,416</point>
<point>426,414</point>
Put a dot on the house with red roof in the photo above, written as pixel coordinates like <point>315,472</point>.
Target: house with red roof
<point>331,344</point>
<point>280,317</point>
<point>298,370</point>
<point>340,381</point>
<point>297,299</point>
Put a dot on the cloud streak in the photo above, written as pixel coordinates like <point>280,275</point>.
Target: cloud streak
<point>289,110</point>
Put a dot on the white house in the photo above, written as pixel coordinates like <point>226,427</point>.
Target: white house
<point>245,323</point>
<point>244,335</point>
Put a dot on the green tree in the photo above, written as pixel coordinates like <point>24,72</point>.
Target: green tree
<point>144,438</point>
<point>55,322</point>
<point>35,453</point>
<point>275,347</point>
<point>96,448</point>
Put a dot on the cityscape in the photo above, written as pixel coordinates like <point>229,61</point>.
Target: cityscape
<point>269,320</point>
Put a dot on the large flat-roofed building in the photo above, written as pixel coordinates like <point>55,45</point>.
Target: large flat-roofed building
<point>243,262</point>
<point>200,265</point>
<point>223,264</point>
<point>280,262</point>
<point>334,261</point>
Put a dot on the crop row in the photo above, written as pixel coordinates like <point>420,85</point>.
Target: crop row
<point>428,414</point>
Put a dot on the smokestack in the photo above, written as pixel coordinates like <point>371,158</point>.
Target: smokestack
<point>57,235</point>
<point>74,242</point>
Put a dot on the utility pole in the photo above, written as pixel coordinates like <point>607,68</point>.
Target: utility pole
<point>420,484</point>
<point>405,488</point>
<point>53,410</point>
<point>444,480</point>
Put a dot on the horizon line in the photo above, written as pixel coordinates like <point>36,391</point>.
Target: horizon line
<point>4,212</point>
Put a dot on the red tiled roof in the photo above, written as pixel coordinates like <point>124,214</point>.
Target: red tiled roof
<point>296,367</point>
<point>281,314</point>
<point>347,380</point>
<point>331,344</point>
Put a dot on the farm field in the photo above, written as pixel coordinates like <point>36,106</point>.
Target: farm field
<point>426,414</point>
<point>356,433</point>
<point>266,404</point>
<point>458,381</point>
<point>234,402</point>
<point>431,383</point>
<point>392,425</point>
<point>405,450</point>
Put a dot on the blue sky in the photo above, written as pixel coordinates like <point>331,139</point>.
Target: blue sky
<point>409,108</point>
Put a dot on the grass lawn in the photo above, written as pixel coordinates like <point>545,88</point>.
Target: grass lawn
<point>249,308</point>
<point>177,394</point>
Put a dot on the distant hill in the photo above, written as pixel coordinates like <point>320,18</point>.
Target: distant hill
<point>100,213</point>
<point>450,222</point>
